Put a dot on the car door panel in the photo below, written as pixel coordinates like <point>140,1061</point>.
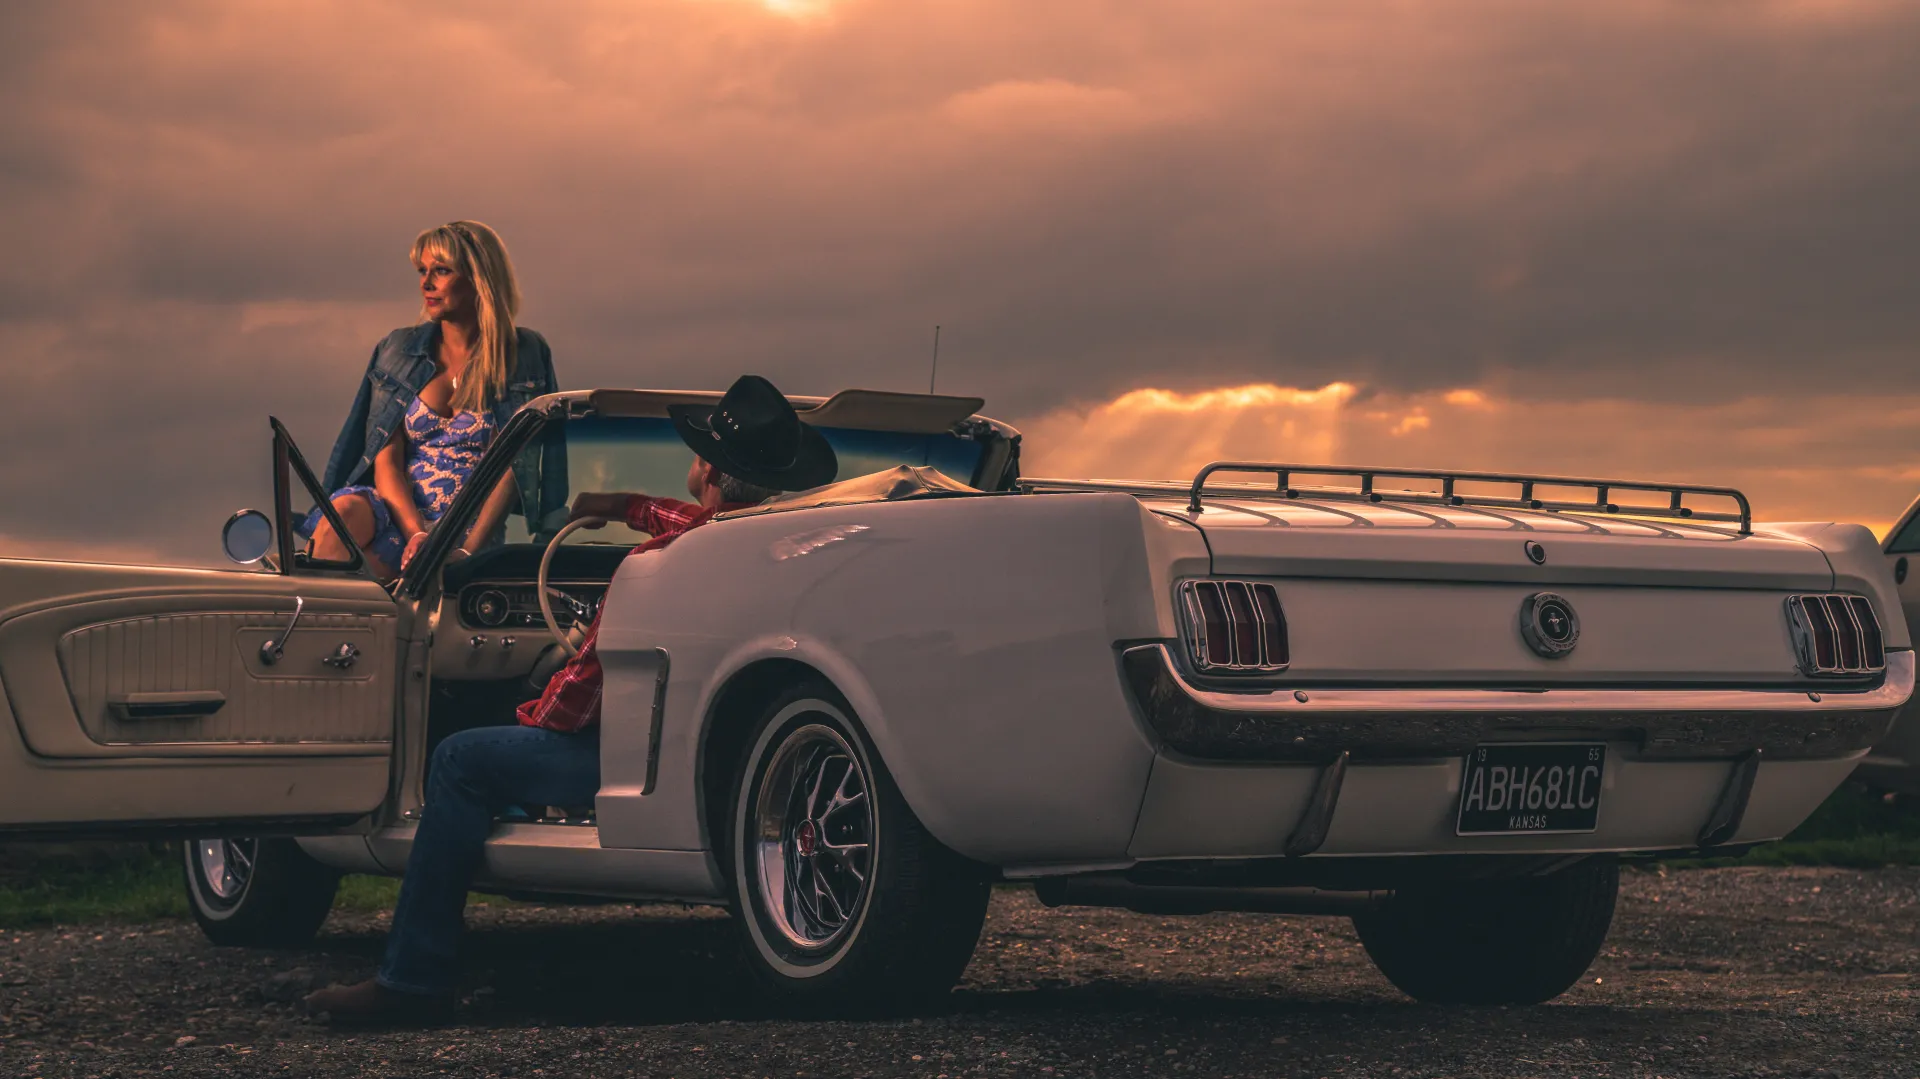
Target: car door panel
<point>210,648</point>
<point>137,695</point>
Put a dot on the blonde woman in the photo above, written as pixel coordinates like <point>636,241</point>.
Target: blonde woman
<point>432,400</point>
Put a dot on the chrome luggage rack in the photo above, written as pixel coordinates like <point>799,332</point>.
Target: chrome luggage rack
<point>1447,495</point>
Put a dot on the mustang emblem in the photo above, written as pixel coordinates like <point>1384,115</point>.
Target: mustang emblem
<point>1548,624</point>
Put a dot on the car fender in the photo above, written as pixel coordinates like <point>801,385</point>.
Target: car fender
<point>845,677</point>
<point>1859,567</point>
<point>990,689</point>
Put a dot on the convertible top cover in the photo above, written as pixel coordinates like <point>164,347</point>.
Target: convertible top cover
<point>893,485</point>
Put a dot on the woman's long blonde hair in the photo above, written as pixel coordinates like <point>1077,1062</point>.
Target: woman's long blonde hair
<point>475,250</point>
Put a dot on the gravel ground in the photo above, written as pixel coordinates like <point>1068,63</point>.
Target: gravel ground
<point>1711,972</point>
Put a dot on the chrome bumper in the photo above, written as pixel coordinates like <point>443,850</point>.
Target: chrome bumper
<point>1318,725</point>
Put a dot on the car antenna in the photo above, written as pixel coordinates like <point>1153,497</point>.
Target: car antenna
<point>935,373</point>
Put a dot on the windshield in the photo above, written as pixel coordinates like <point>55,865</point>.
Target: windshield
<point>645,455</point>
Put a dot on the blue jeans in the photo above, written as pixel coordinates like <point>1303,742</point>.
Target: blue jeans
<point>476,774</point>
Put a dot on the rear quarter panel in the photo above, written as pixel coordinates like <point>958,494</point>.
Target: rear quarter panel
<point>973,636</point>
<point>1858,567</point>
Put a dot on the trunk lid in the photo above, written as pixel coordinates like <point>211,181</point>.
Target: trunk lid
<point>1386,593</point>
<point>1304,538</point>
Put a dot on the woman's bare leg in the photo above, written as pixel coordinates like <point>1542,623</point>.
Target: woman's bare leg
<point>357,514</point>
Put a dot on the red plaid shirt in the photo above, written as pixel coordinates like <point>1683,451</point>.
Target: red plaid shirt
<point>572,698</point>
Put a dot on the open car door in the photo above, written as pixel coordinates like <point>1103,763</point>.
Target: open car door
<point>141,700</point>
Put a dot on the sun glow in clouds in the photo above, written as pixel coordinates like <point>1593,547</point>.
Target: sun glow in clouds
<point>1782,453</point>
<point>1155,434</point>
<point>797,9</point>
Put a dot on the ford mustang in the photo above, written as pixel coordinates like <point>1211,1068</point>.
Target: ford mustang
<point>1445,705</point>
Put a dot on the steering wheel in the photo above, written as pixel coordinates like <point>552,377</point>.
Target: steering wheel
<point>567,641</point>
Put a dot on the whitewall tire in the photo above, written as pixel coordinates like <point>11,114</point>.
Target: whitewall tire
<point>845,902</point>
<point>257,893</point>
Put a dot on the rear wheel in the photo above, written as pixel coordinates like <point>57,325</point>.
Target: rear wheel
<point>845,901</point>
<point>1520,941</point>
<point>257,893</point>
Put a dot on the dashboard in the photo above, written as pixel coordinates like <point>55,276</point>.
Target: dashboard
<point>491,626</point>
<point>516,604</point>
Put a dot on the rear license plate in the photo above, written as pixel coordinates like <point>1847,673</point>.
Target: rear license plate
<point>1531,788</point>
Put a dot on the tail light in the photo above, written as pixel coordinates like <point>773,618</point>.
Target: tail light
<point>1835,634</point>
<point>1235,627</point>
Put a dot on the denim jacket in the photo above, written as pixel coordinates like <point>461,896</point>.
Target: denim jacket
<point>402,364</point>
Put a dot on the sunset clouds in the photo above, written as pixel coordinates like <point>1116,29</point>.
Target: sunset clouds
<point>1780,450</point>
<point>1669,238</point>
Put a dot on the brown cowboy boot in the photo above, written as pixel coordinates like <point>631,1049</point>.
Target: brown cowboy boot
<point>369,1002</point>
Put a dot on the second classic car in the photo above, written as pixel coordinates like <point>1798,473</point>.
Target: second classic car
<point>1894,763</point>
<point>1445,705</point>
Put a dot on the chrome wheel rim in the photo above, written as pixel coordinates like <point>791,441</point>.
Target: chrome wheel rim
<point>225,866</point>
<point>813,838</point>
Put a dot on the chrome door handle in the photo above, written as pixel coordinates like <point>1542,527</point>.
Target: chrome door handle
<point>343,656</point>
<point>272,650</point>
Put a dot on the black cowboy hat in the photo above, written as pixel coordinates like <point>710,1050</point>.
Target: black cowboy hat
<point>754,435</point>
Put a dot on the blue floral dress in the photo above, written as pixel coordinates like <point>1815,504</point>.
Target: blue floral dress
<point>441,452</point>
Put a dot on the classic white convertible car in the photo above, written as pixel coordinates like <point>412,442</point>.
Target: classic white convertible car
<point>1445,705</point>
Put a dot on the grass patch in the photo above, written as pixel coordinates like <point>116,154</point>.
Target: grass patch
<point>1854,828</point>
<point>135,885</point>
<point>367,895</point>
<point>139,888</point>
<point>1862,852</point>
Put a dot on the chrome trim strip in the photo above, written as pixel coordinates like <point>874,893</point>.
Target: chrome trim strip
<point>1800,628</point>
<point>1299,725</point>
<point>214,750</point>
<point>1891,693</point>
<point>1801,633</point>
<point>1196,626</point>
<point>1846,633</point>
<point>1262,631</point>
<point>1248,648</point>
<point>1196,629</point>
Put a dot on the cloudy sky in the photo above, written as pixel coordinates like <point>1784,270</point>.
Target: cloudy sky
<point>1673,240</point>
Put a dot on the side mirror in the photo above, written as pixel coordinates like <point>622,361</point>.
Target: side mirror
<point>247,537</point>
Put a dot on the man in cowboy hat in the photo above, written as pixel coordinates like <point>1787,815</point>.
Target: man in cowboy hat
<point>748,447</point>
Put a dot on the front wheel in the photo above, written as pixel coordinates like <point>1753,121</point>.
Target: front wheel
<point>1519,941</point>
<point>846,902</point>
<point>257,893</point>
